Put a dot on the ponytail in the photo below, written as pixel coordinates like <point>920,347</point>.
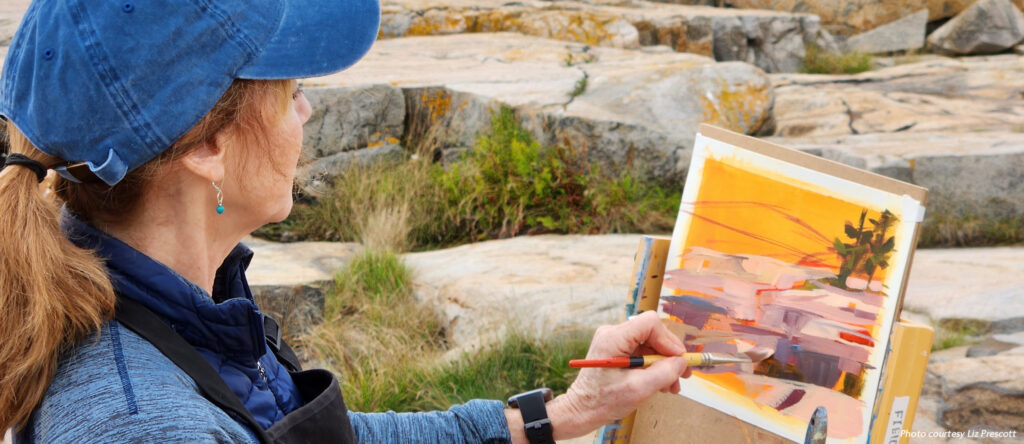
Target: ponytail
<point>52,293</point>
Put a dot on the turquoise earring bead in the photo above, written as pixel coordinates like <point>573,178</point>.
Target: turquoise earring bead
<point>220,209</point>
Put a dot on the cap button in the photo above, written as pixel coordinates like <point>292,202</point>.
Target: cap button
<point>48,53</point>
<point>127,7</point>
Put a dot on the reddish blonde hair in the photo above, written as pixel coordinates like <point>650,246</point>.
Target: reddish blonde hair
<point>53,293</point>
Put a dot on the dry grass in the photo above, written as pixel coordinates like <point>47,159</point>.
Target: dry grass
<point>820,61</point>
<point>970,229</point>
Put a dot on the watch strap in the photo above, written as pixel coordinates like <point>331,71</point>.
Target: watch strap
<point>535,418</point>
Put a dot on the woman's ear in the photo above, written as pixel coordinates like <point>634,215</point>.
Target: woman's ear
<point>208,159</point>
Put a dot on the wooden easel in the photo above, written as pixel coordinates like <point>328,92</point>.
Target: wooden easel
<point>674,419</point>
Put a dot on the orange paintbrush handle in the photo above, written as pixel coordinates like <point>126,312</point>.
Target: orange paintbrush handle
<point>617,362</point>
<point>692,360</point>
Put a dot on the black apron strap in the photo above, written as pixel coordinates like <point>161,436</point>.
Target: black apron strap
<point>145,323</point>
<point>285,355</point>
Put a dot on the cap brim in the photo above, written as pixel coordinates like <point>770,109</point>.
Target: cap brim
<point>315,38</point>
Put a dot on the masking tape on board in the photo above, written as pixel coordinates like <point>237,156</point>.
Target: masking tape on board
<point>913,211</point>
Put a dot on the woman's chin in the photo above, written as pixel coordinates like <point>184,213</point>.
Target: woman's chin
<point>279,213</point>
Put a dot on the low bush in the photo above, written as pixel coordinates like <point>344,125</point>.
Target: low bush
<point>507,185</point>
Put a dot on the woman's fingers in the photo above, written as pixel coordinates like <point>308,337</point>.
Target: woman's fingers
<point>661,376</point>
<point>627,337</point>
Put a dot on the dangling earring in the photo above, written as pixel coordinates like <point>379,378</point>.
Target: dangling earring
<point>220,198</point>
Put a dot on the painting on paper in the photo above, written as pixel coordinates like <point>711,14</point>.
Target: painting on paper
<point>771,254</point>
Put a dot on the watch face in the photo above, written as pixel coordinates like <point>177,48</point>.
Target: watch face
<point>514,400</point>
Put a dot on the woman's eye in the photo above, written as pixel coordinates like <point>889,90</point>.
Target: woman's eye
<point>297,93</point>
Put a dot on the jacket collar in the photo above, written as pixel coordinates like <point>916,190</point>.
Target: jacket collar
<point>228,323</point>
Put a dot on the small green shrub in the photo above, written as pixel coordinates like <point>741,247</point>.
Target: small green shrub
<point>820,61</point>
<point>507,185</point>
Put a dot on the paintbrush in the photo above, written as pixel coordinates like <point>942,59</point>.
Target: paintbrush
<point>704,359</point>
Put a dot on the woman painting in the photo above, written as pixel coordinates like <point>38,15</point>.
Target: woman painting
<point>174,129</point>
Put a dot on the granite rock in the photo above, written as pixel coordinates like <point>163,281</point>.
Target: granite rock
<point>940,9</point>
<point>904,34</point>
<point>771,40</point>
<point>536,284</point>
<point>987,27</point>
<point>314,177</point>
<point>842,17</point>
<point>968,283</point>
<point>351,117</point>
<point>624,108</point>
<point>937,95</point>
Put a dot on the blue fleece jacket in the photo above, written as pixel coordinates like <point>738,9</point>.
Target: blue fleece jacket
<point>115,386</point>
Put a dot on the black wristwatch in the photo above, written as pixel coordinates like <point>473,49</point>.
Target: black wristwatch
<point>535,416</point>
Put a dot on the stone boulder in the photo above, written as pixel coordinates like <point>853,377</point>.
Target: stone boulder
<point>985,393</point>
<point>987,27</point>
<point>842,17</point>
<point>533,284</point>
<point>980,284</point>
<point>773,41</point>
<point>904,34</point>
<point>315,177</point>
<point>622,107</point>
<point>940,9</point>
<point>289,280</point>
<point>353,117</point>
<point>945,95</point>
<point>952,125</point>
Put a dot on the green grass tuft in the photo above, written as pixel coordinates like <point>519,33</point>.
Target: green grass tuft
<point>386,347</point>
<point>820,61</point>
<point>951,333</point>
<point>970,229</point>
<point>517,364</point>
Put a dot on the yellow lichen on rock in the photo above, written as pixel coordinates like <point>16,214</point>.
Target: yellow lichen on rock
<point>438,22</point>
<point>737,107</point>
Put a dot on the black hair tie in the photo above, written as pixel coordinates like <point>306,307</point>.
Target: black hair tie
<point>25,161</point>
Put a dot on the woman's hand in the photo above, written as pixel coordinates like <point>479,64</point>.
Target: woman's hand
<point>602,395</point>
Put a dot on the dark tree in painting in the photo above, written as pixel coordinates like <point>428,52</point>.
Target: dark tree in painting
<point>881,247</point>
<point>868,249</point>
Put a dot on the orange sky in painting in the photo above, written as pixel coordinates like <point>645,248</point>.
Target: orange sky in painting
<point>741,212</point>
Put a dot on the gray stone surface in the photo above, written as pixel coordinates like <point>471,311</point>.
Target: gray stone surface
<point>987,27</point>
<point>296,263</point>
<point>773,41</point>
<point>951,125</point>
<point>842,17</point>
<point>635,106</point>
<point>352,117</point>
<point>934,95</point>
<point>537,284</point>
<point>317,175</point>
<point>968,283</point>
<point>904,34</point>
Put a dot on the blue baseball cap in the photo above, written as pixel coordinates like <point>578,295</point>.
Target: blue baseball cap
<point>113,84</point>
